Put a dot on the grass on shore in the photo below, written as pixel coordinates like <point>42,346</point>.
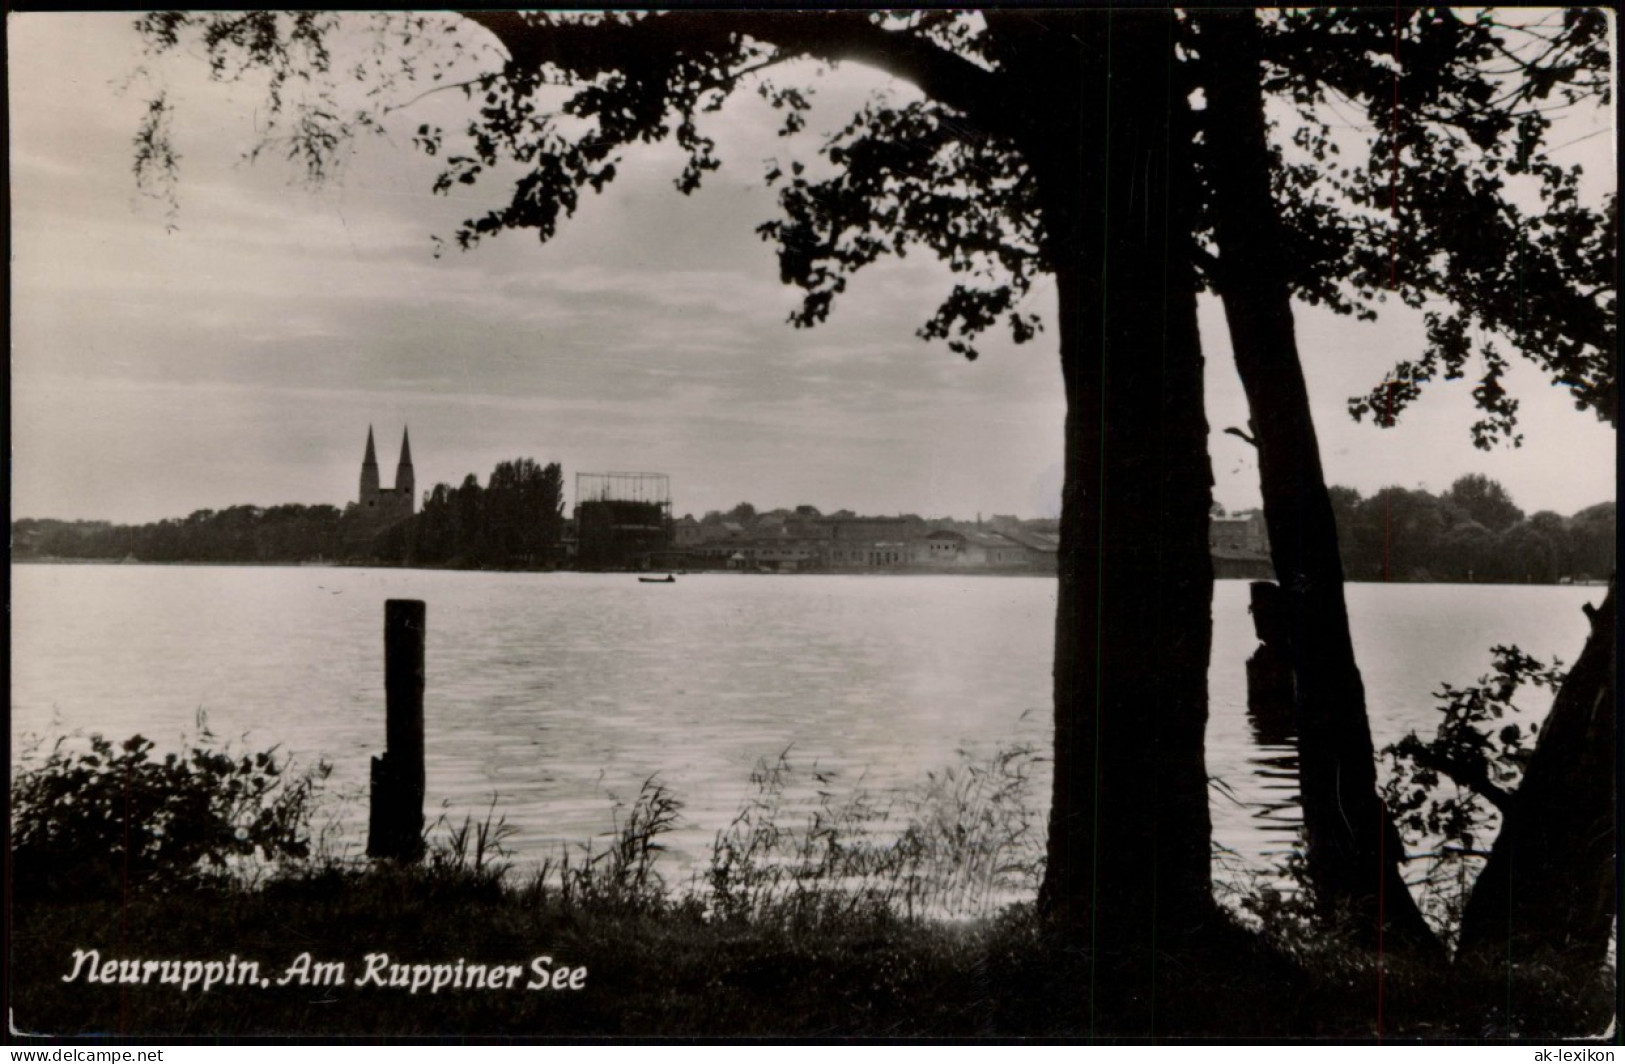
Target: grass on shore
<point>669,969</point>
<point>807,923</point>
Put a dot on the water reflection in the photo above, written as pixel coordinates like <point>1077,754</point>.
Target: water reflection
<point>561,693</point>
<point>1277,810</point>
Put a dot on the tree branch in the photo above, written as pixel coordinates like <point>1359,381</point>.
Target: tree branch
<point>1475,777</point>
<point>588,48</point>
<point>450,86</point>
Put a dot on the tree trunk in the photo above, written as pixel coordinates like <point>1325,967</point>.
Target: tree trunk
<point>1128,871</point>
<point>1353,848</point>
<point>1548,891</point>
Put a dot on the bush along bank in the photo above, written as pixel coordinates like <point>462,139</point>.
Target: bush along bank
<point>817,916</point>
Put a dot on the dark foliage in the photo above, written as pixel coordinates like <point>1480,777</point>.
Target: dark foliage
<point>517,519</point>
<point>823,945</point>
<point>1448,792</point>
<point>1460,106</point>
<point>1405,534</point>
<point>108,820</point>
<point>244,534</point>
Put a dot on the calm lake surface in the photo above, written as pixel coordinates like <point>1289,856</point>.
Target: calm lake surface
<point>560,693</point>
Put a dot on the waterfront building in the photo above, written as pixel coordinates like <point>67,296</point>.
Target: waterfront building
<point>1240,546</point>
<point>379,507</point>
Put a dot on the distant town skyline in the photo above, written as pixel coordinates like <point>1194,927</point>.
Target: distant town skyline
<point>240,358</point>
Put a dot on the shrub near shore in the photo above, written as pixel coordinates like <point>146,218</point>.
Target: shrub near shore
<point>808,922</point>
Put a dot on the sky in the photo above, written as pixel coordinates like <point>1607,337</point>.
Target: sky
<point>240,355</point>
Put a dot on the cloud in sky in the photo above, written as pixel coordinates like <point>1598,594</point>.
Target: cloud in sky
<point>241,357</point>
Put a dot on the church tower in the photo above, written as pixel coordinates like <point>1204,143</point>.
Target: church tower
<point>404,485</point>
<point>369,476</point>
<point>383,506</point>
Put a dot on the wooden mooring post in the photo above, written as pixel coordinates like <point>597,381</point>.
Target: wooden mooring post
<point>1271,686</point>
<point>395,816</point>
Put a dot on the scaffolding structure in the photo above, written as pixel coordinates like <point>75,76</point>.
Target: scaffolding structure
<point>622,519</point>
<point>652,488</point>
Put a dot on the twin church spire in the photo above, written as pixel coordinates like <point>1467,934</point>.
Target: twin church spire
<point>388,504</point>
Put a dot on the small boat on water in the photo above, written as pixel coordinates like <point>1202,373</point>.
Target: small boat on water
<point>667,579</point>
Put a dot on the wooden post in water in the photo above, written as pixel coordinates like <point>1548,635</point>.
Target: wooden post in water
<point>395,818</point>
<point>1270,684</point>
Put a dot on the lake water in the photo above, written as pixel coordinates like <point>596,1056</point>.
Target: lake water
<point>560,693</point>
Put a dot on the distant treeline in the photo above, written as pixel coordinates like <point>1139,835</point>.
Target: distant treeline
<point>515,520</point>
<point>1472,532</point>
<point>243,534</point>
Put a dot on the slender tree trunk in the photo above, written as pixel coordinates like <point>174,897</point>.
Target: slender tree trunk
<point>1353,849</point>
<point>1128,870</point>
<point>1549,889</point>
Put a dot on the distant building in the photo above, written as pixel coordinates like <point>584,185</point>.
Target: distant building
<point>1245,532</point>
<point>687,532</point>
<point>947,548</point>
<point>871,529</point>
<point>617,534</point>
<point>720,531</point>
<point>1240,546</point>
<point>774,553</point>
<point>942,547</point>
<point>868,542</point>
<point>623,520</point>
<point>380,507</point>
<point>1040,550</point>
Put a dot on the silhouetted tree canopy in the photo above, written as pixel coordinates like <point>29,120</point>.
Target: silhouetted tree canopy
<point>1072,145</point>
<point>517,519</point>
<point>1442,196</point>
<point>1403,534</point>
